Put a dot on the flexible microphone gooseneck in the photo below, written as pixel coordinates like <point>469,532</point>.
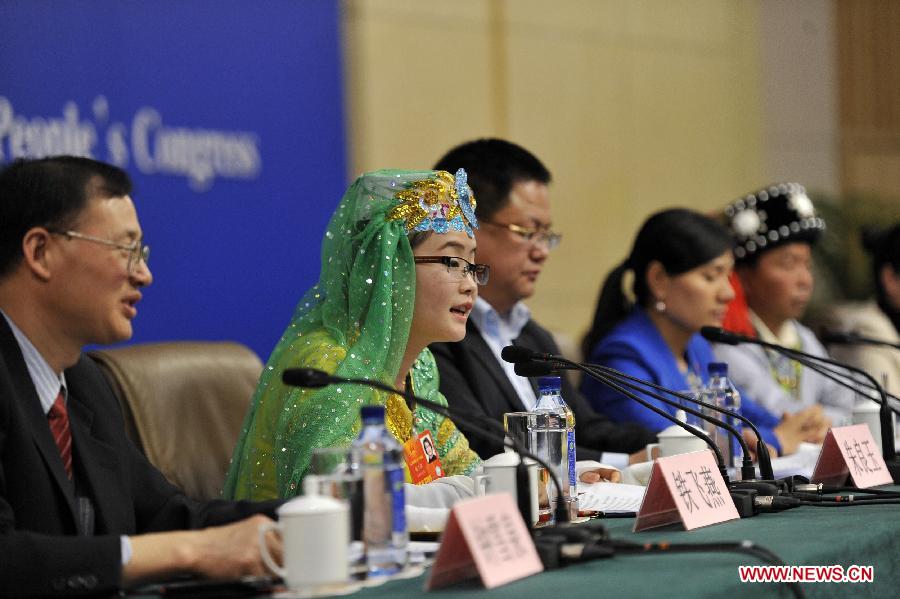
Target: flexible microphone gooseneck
<point>837,338</point>
<point>762,449</point>
<point>720,335</point>
<point>532,369</point>
<point>842,378</point>
<point>312,378</point>
<point>525,357</point>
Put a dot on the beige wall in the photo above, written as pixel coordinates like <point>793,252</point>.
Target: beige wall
<point>869,68</point>
<point>800,93</point>
<point>632,105</point>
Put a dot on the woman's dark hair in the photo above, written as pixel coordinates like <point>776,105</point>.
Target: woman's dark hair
<point>679,239</point>
<point>417,238</point>
<point>884,247</point>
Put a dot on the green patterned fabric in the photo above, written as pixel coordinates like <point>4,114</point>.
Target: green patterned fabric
<point>353,323</point>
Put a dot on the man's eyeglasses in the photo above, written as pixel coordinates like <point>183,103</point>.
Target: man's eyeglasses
<point>459,267</point>
<point>543,236</point>
<point>137,251</point>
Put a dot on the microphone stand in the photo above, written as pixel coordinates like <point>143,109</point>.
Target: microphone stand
<point>612,384</point>
<point>887,428</point>
<point>309,377</point>
<point>742,493</point>
<point>597,372</point>
<point>854,339</point>
<point>884,413</point>
<point>762,449</point>
<point>608,382</point>
<point>842,378</point>
<point>747,471</point>
<point>618,383</point>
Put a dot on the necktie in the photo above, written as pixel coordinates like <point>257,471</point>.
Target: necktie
<point>59,426</point>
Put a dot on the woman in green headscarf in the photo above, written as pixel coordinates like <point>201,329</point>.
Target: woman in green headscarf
<point>397,274</point>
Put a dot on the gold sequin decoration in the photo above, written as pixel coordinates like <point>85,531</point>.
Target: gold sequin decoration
<point>426,196</point>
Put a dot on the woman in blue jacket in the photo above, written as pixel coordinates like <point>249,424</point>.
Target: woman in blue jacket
<point>680,264</point>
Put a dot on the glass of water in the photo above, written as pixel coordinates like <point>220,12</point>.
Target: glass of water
<point>334,472</point>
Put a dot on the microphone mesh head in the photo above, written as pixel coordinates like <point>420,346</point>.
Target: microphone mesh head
<point>533,369</point>
<point>305,377</point>
<point>515,354</point>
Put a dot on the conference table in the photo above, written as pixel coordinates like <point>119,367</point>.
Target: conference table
<point>816,536</point>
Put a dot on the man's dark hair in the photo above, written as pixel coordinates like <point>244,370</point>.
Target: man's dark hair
<point>50,192</point>
<point>493,166</point>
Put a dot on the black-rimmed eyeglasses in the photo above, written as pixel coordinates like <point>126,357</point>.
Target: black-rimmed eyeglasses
<point>459,267</point>
<point>137,251</point>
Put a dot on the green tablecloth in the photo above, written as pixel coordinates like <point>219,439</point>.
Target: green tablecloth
<point>860,535</point>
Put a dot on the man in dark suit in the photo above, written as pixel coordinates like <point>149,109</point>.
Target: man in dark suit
<point>81,509</point>
<point>514,239</point>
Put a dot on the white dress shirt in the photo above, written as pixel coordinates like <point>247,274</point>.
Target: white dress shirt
<point>499,331</point>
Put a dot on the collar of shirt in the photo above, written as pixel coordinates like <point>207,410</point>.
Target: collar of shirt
<point>503,329</point>
<point>787,336</point>
<point>498,332</point>
<point>46,382</point>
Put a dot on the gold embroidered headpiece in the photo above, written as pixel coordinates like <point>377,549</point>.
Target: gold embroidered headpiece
<point>440,203</point>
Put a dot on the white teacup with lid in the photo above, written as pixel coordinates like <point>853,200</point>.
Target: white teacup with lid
<point>674,440</point>
<point>315,533</point>
<point>500,476</point>
<point>867,412</point>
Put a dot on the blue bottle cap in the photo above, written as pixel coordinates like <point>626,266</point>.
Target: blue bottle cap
<point>549,383</point>
<point>372,414</point>
<point>717,369</point>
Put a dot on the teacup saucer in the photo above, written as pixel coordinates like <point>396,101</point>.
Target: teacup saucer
<point>332,590</point>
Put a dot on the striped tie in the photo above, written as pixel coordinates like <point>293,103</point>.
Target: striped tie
<point>59,426</point>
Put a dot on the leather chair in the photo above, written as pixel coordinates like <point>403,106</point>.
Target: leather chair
<point>184,404</point>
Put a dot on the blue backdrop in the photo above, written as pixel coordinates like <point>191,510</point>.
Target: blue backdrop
<point>229,117</point>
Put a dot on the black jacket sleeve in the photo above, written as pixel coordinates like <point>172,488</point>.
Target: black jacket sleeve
<point>464,399</point>
<point>41,552</point>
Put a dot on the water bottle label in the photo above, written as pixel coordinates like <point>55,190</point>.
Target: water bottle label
<point>573,479</point>
<point>394,478</point>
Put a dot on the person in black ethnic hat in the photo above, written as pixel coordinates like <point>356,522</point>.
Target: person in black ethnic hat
<point>774,230</point>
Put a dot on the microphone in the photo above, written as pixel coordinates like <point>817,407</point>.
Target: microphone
<point>826,368</point>
<point>839,338</point>
<point>536,369</point>
<point>516,354</point>
<point>816,363</point>
<point>643,386</point>
<point>312,378</point>
<point>307,377</point>
<point>720,335</point>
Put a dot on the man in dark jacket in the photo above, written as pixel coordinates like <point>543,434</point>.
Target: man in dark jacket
<point>515,238</point>
<point>81,509</point>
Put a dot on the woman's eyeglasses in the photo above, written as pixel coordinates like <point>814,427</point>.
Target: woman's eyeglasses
<point>459,267</point>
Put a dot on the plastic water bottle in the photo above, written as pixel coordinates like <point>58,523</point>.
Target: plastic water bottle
<point>556,440</point>
<point>384,520</point>
<point>723,394</point>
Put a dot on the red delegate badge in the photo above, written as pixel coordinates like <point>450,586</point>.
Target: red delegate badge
<point>422,459</point>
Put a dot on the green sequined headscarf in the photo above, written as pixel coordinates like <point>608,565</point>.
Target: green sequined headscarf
<point>353,323</point>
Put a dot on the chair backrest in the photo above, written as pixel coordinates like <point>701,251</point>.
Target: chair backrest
<point>184,404</point>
